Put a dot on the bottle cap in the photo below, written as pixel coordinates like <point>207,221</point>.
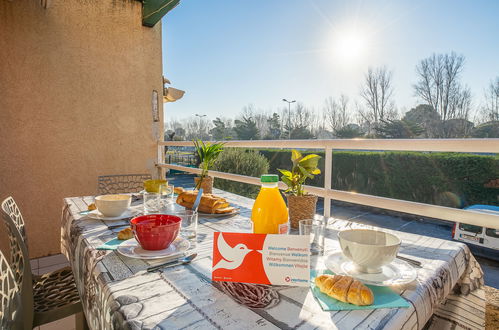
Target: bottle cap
<point>269,178</point>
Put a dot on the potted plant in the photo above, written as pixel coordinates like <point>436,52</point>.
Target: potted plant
<point>301,205</point>
<point>208,154</point>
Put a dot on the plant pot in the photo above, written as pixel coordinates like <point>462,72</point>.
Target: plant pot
<point>301,208</point>
<point>207,184</point>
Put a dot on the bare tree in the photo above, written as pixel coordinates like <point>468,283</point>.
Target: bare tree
<point>336,112</point>
<point>490,110</point>
<point>377,92</point>
<point>197,128</point>
<point>439,84</point>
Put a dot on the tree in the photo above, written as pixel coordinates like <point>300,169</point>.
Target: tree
<point>336,112</point>
<point>425,116</point>
<point>377,93</point>
<point>398,129</point>
<point>246,129</point>
<point>298,124</point>
<point>491,108</point>
<point>274,124</point>
<point>222,129</point>
<point>349,131</point>
<point>487,130</point>
<point>439,84</point>
<point>197,128</point>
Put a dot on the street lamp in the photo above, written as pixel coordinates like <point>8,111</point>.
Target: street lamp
<point>289,116</point>
<point>200,120</point>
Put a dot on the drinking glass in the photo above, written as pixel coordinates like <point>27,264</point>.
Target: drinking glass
<point>165,198</point>
<point>151,202</point>
<point>316,230</point>
<point>189,225</point>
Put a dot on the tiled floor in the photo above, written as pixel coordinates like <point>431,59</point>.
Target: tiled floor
<point>45,265</point>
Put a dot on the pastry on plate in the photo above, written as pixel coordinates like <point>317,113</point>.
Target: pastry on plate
<point>345,288</point>
<point>92,207</point>
<point>125,234</point>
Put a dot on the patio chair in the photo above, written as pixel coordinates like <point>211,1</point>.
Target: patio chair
<point>44,298</point>
<point>10,298</point>
<point>121,183</point>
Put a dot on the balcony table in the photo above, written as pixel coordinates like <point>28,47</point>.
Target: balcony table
<point>118,293</point>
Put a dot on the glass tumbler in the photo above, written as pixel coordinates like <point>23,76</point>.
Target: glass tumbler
<point>151,202</point>
<point>316,230</point>
<point>166,198</point>
<point>189,225</point>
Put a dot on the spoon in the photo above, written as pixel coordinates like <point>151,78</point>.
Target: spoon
<point>176,262</point>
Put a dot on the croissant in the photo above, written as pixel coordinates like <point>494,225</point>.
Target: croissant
<point>345,288</point>
<point>125,234</point>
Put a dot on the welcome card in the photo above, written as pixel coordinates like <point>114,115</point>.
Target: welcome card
<point>261,258</point>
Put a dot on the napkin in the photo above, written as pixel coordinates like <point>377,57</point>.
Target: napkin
<point>384,297</point>
<point>110,245</point>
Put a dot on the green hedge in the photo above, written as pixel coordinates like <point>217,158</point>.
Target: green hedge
<point>449,179</point>
<point>240,161</point>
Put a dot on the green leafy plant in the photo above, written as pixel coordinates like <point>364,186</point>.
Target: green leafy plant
<point>304,167</point>
<point>208,154</point>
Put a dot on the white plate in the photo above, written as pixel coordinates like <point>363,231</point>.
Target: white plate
<point>396,273</point>
<point>132,249</point>
<point>95,214</point>
<point>218,215</point>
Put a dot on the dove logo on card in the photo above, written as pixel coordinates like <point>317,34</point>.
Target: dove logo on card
<point>232,257</point>
<point>237,258</point>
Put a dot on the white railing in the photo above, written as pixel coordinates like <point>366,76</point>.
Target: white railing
<point>425,210</point>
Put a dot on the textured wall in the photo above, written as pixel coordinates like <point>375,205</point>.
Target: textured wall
<point>76,82</point>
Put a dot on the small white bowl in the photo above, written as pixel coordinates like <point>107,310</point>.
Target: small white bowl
<point>369,249</point>
<point>113,205</point>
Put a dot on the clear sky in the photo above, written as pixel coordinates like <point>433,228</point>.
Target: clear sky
<point>227,54</point>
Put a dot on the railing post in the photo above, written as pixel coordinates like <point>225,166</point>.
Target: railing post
<point>328,174</point>
<point>161,160</point>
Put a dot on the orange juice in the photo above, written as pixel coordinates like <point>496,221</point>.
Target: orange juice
<point>269,214</point>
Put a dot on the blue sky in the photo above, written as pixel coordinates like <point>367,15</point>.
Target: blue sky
<point>227,54</point>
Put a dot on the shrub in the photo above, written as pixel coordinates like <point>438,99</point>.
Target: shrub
<point>449,179</point>
<point>244,162</point>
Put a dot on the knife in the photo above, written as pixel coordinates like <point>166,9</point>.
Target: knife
<point>198,200</point>
<point>176,262</point>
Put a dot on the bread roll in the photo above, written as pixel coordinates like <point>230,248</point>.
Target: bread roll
<point>178,190</point>
<point>345,288</point>
<point>209,203</point>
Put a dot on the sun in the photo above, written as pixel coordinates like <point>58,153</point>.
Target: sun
<point>349,46</point>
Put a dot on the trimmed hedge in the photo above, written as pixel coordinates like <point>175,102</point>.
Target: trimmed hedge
<point>448,179</point>
<point>240,161</point>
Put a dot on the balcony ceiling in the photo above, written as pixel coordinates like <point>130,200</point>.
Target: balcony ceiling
<point>154,10</point>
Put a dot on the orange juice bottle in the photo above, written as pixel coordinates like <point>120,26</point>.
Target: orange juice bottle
<point>269,214</point>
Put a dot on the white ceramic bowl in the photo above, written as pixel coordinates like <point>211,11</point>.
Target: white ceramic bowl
<point>369,249</point>
<point>113,205</point>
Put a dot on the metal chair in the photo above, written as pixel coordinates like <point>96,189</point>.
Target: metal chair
<point>44,298</point>
<point>10,298</point>
<point>121,183</point>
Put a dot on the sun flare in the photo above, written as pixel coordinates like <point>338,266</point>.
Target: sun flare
<point>349,46</point>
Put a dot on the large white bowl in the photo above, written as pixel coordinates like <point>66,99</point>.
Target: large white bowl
<point>113,205</point>
<point>369,249</point>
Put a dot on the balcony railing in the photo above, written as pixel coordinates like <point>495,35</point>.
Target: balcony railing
<point>421,209</point>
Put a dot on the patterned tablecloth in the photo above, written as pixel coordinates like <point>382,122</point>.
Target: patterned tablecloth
<point>118,293</point>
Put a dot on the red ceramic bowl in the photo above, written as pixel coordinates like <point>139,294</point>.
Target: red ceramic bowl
<point>155,231</point>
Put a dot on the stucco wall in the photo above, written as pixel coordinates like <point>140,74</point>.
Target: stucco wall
<point>76,83</point>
